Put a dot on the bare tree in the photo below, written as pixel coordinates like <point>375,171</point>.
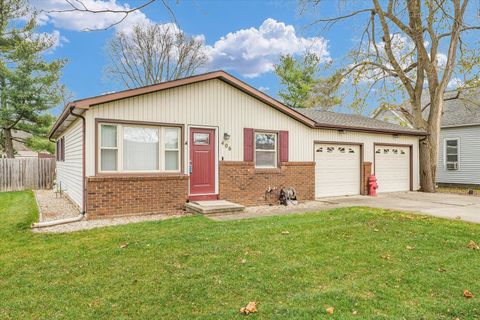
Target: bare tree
<point>400,50</point>
<point>152,53</point>
<point>81,6</point>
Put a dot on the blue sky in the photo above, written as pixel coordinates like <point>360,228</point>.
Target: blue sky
<point>245,38</point>
<point>283,27</point>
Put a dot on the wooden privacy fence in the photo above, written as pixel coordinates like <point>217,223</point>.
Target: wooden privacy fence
<point>21,174</point>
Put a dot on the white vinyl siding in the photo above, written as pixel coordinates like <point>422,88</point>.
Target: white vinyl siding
<point>214,103</point>
<point>468,156</point>
<point>70,171</point>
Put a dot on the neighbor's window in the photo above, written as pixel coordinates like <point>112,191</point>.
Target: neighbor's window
<point>451,154</point>
<point>108,148</point>
<point>265,150</point>
<point>136,148</point>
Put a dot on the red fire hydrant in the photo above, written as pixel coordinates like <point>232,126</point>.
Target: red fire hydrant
<point>372,185</point>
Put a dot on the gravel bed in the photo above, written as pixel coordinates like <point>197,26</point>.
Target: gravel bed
<point>265,211</point>
<point>91,224</point>
<point>54,207</point>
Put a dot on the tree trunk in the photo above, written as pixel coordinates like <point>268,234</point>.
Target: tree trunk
<point>427,182</point>
<point>7,136</point>
<point>430,145</point>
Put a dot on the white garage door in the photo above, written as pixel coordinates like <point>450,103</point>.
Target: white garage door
<point>337,170</point>
<point>392,168</point>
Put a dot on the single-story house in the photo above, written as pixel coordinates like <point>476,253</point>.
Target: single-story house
<point>212,136</point>
<point>459,150</point>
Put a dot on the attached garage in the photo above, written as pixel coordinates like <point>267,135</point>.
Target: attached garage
<point>337,169</point>
<point>392,167</point>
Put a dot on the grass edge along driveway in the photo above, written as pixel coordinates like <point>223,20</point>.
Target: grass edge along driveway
<point>366,263</point>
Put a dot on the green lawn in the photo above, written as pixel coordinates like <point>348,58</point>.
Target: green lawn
<point>192,267</point>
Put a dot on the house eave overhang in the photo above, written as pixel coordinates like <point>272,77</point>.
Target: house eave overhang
<point>460,125</point>
<point>369,130</point>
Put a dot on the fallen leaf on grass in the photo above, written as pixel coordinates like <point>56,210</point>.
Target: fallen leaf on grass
<point>473,245</point>
<point>441,270</point>
<point>467,294</point>
<point>354,312</point>
<point>124,245</point>
<point>386,256</point>
<point>330,310</point>
<point>250,308</point>
<point>285,232</point>
<point>409,248</point>
<point>244,260</point>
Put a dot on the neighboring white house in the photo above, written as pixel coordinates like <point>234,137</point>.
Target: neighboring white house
<point>212,136</point>
<point>459,152</point>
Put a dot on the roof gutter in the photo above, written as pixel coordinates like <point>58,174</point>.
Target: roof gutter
<point>84,184</point>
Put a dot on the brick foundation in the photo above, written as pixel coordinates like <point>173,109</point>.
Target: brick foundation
<point>135,195</point>
<point>240,182</point>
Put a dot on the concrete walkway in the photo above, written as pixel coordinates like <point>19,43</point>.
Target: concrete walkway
<point>449,206</point>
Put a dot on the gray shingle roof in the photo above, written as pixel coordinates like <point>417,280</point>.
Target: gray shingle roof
<point>464,110</point>
<point>335,119</point>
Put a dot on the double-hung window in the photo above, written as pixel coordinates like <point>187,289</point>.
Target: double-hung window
<point>138,148</point>
<point>266,150</point>
<point>108,148</point>
<point>451,154</point>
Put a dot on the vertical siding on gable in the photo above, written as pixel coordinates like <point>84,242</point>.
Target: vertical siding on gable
<point>69,172</point>
<point>469,156</point>
<point>215,103</point>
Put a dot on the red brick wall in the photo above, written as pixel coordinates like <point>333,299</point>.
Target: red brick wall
<point>367,171</point>
<point>134,195</point>
<point>240,182</point>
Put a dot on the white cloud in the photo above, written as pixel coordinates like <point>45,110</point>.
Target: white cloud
<point>454,83</point>
<point>264,89</point>
<point>54,37</point>
<point>442,60</point>
<point>80,21</point>
<point>252,52</point>
<point>58,39</point>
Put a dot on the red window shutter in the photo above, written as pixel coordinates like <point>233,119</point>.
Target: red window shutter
<point>247,144</point>
<point>283,146</point>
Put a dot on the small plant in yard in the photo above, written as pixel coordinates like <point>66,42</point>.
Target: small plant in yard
<point>348,263</point>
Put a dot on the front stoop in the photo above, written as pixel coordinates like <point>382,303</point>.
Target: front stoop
<point>213,207</point>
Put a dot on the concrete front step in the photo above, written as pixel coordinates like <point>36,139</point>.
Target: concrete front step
<point>213,206</point>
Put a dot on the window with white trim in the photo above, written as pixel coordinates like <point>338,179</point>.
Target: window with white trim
<point>108,148</point>
<point>265,150</point>
<point>451,154</point>
<point>139,148</point>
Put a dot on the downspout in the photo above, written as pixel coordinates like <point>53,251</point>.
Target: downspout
<point>84,185</point>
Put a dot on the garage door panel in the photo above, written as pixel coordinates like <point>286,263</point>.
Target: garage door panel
<point>392,168</point>
<point>337,170</point>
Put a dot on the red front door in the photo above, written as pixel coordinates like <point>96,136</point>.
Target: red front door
<point>202,161</point>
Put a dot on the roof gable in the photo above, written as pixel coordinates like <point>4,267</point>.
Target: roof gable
<point>88,103</point>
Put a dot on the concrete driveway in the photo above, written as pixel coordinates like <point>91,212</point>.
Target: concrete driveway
<point>450,206</point>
